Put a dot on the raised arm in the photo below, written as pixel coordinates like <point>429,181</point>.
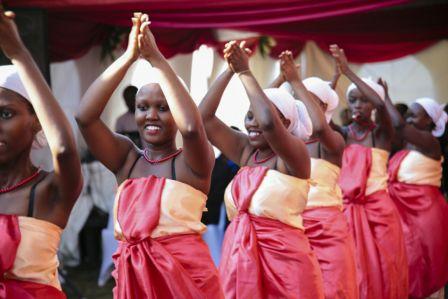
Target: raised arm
<point>57,129</point>
<point>198,153</point>
<point>331,140</point>
<point>289,148</point>
<point>109,148</point>
<point>336,76</point>
<point>232,143</point>
<point>384,121</point>
<point>423,140</point>
<point>278,81</point>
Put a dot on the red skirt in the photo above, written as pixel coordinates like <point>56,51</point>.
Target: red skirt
<point>177,266</point>
<point>331,241</point>
<point>16,289</point>
<point>264,258</point>
<point>374,223</point>
<point>424,218</point>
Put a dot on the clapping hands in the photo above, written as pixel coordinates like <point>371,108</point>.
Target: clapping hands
<point>237,56</point>
<point>289,70</point>
<point>141,40</point>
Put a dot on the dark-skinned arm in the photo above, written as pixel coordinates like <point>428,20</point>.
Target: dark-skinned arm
<point>331,140</point>
<point>423,140</point>
<point>289,148</point>
<point>198,153</point>
<point>230,142</point>
<point>52,119</point>
<point>384,121</point>
<point>109,148</point>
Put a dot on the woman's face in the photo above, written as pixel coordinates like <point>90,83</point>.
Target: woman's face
<point>153,116</point>
<point>418,117</point>
<point>256,137</point>
<point>18,125</point>
<point>360,107</point>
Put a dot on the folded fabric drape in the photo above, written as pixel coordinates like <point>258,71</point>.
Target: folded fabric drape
<point>182,26</point>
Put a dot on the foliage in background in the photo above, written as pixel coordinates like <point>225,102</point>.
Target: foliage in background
<point>265,44</point>
<point>114,39</point>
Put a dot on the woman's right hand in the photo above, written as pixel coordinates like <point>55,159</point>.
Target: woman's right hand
<point>132,51</point>
<point>340,58</point>
<point>289,69</point>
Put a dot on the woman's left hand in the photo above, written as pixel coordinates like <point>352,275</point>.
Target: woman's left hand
<point>147,42</point>
<point>10,40</point>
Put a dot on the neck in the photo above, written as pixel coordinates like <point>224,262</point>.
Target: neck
<point>159,151</point>
<point>362,125</point>
<point>264,152</point>
<point>16,170</point>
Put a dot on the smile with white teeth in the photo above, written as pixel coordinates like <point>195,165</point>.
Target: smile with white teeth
<point>254,133</point>
<point>152,128</point>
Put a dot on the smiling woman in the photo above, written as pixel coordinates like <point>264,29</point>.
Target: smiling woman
<point>161,197</point>
<point>34,204</point>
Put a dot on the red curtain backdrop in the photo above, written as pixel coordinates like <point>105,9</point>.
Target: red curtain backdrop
<point>368,30</point>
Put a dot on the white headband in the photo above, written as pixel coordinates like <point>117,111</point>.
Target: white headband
<point>437,114</point>
<point>324,92</point>
<point>148,75</point>
<point>9,79</point>
<point>304,124</point>
<point>375,86</point>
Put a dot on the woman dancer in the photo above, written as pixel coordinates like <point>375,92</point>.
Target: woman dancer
<point>34,204</point>
<point>414,180</point>
<point>373,218</point>
<point>325,224</point>
<point>159,203</point>
<point>265,253</point>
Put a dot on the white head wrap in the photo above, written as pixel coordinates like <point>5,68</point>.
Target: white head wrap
<point>297,111</point>
<point>145,74</point>
<point>375,86</point>
<point>324,92</point>
<point>10,79</point>
<point>437,114</point>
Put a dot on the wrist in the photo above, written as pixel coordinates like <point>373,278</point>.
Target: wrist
<point>154,58</point>
<point>19,53</point>
<point>245,72</point>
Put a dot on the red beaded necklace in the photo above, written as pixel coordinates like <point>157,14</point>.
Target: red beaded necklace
<point>19,184</point>
<point>312,141</point>
<point>145,154</point>
<point>370,126</point>
<point>256,161</point>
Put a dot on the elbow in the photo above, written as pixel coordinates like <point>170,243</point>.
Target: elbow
<point>266,122</point>
<point>64,152</point>
<point>190,130</point>
<point>380,104</point>
<point>80,119</point>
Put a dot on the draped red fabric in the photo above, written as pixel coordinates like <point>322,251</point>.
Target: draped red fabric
<point>375,224</point>
<point>262,257</point>
<point>368,30</point>
<point>331,241</point>
<point>9,288</point>
<point>174,266</point>
<point>424,217</point>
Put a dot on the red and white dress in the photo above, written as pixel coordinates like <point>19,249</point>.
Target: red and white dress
<point>374,222</point>
<point>161,253</point>
<point>414,182</point>
<point>28,260</point>
<point>328,232</point>
<point>266,253</point>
